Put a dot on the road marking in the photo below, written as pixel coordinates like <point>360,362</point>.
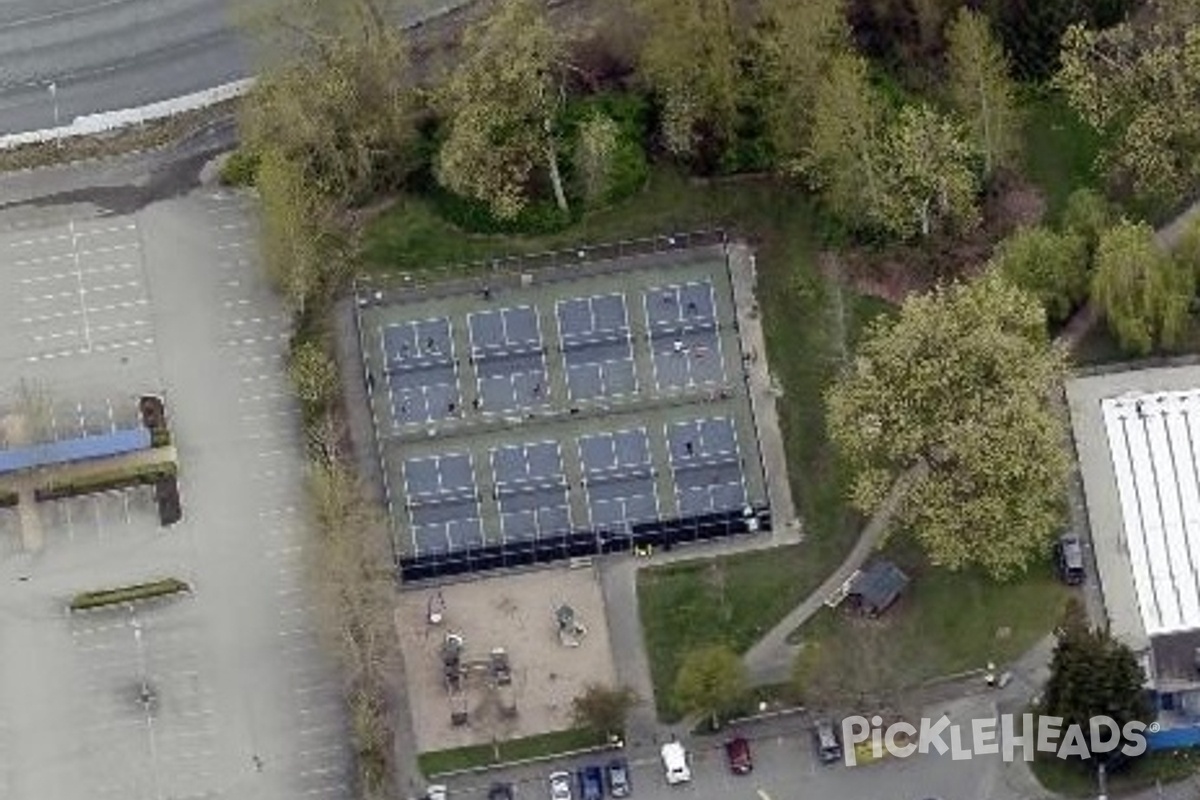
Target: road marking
<point>58,276</point>
<point>762,793</point>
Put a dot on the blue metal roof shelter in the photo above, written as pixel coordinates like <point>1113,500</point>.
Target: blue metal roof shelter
<point>70,450</point>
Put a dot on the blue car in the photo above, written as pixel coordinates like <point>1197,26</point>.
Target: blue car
<point>591,783</point>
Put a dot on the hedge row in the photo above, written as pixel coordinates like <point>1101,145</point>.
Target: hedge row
<point>8,499</point>
<point>128,594</point>
<point>103,481</point>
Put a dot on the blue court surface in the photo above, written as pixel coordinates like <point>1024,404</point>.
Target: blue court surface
<point>443,503</point>
<point>531,490</point>
<point>684,339</point>
<point>422,379</point>
<point>509,359</point>
<point>597,347</point>
<point>618,475</point>
<point>706,465</point>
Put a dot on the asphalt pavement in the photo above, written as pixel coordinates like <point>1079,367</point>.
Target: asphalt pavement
<point>69,58</point>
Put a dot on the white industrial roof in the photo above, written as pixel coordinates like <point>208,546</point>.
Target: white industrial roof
<point>1154,441</point>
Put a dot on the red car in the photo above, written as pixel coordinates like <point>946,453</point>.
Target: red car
<point>737,751</point>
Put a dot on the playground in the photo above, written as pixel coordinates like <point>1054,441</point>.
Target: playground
<point>502,658</point>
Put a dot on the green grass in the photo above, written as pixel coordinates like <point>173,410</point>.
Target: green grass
<point>440,762</point>
<point>945,623</point>
<point>1076,779</point>
<point>1060,150</point>
<point>809,327</point>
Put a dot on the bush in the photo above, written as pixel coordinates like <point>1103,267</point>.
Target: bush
<point>474,216</point>
<point>104,481</point>
<point>128,594</point>
<point>241,168</point>
<point>8,499</point>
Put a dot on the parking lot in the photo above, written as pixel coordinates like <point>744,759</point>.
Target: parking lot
<point>227,691</point>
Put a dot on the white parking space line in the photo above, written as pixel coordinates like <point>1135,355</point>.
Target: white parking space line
<point>59,276</point>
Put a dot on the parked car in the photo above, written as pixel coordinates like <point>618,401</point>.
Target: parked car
<point>560,786</point>
<point>829,748</point>
<point>737,752</point>
<point>675,763</point>
<point>591,783</point>
<point>435,792</point>
<point>617,774</point>
<point>500,791</point>
<point>1069,559</point>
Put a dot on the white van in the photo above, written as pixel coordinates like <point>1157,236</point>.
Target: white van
<point>675,763</point>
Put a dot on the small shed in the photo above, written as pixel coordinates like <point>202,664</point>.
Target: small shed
<point>878,586</point>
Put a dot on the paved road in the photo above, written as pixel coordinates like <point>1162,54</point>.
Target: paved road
<point>106,55</point>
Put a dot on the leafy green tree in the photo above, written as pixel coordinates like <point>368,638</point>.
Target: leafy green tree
<point>1139,84</point>
<point>1088,214</point>
<point>960,382</point>
<point>929,181</point>
<point>314,374</point>
<point>690,61</point>
<point>603,708</point>
<point>1032,29</point>
<point>294,237</point>
<point>981,90</point>
<point>1053,267</point>
<point>342,108</point>
<point>1143,293</point>
<point>1092,674</point>
<point>845,159</point>
<point>796,40</point>
<point>596,145</point>
<point>500,105</point>
<point>711,681</point>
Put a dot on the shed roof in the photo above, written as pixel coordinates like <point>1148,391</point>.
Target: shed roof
<point>879,585</point>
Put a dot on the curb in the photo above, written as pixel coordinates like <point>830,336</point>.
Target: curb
<point>583,751</point>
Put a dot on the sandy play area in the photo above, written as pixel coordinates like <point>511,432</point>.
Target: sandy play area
<point>517,613</point>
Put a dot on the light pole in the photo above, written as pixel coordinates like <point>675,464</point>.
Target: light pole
<point>53,89</point>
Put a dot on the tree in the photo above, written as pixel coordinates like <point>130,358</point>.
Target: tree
<point>928,181</point>
<point>1092,674</point>
<point>1138,83</point>
<point>340,107</point>
<point>500,105</point>
<point>690,60</point>
<point>1087,214</point>
<point>1032,29</point>
<point>1053,267</point>
<point>314,374</point>
<point>1143,293</point>
<point>960,382</point>
<point>796,41</point>
<point>981,90</point>
<point>297,251</point>
<point>603,708</point>
<point>845,157</point>
<point>711,681</point>
<point>596,145</point>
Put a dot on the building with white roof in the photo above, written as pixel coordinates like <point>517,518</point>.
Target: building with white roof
<point>1138,439</point>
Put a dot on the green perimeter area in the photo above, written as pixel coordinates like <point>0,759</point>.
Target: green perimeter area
<point>1060,149</point>
<point>1076,779</point>
<point>440,762</point>
<point>945,623</point>
<point>810,325</point>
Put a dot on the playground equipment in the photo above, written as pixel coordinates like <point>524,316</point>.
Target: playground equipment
<point>570,630</point>
<point>456,670</point>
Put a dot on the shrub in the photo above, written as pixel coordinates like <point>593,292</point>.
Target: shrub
<point>8,499</point>
<point>103,481</point>
<point>241,168</point>
<point>128,594</point>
